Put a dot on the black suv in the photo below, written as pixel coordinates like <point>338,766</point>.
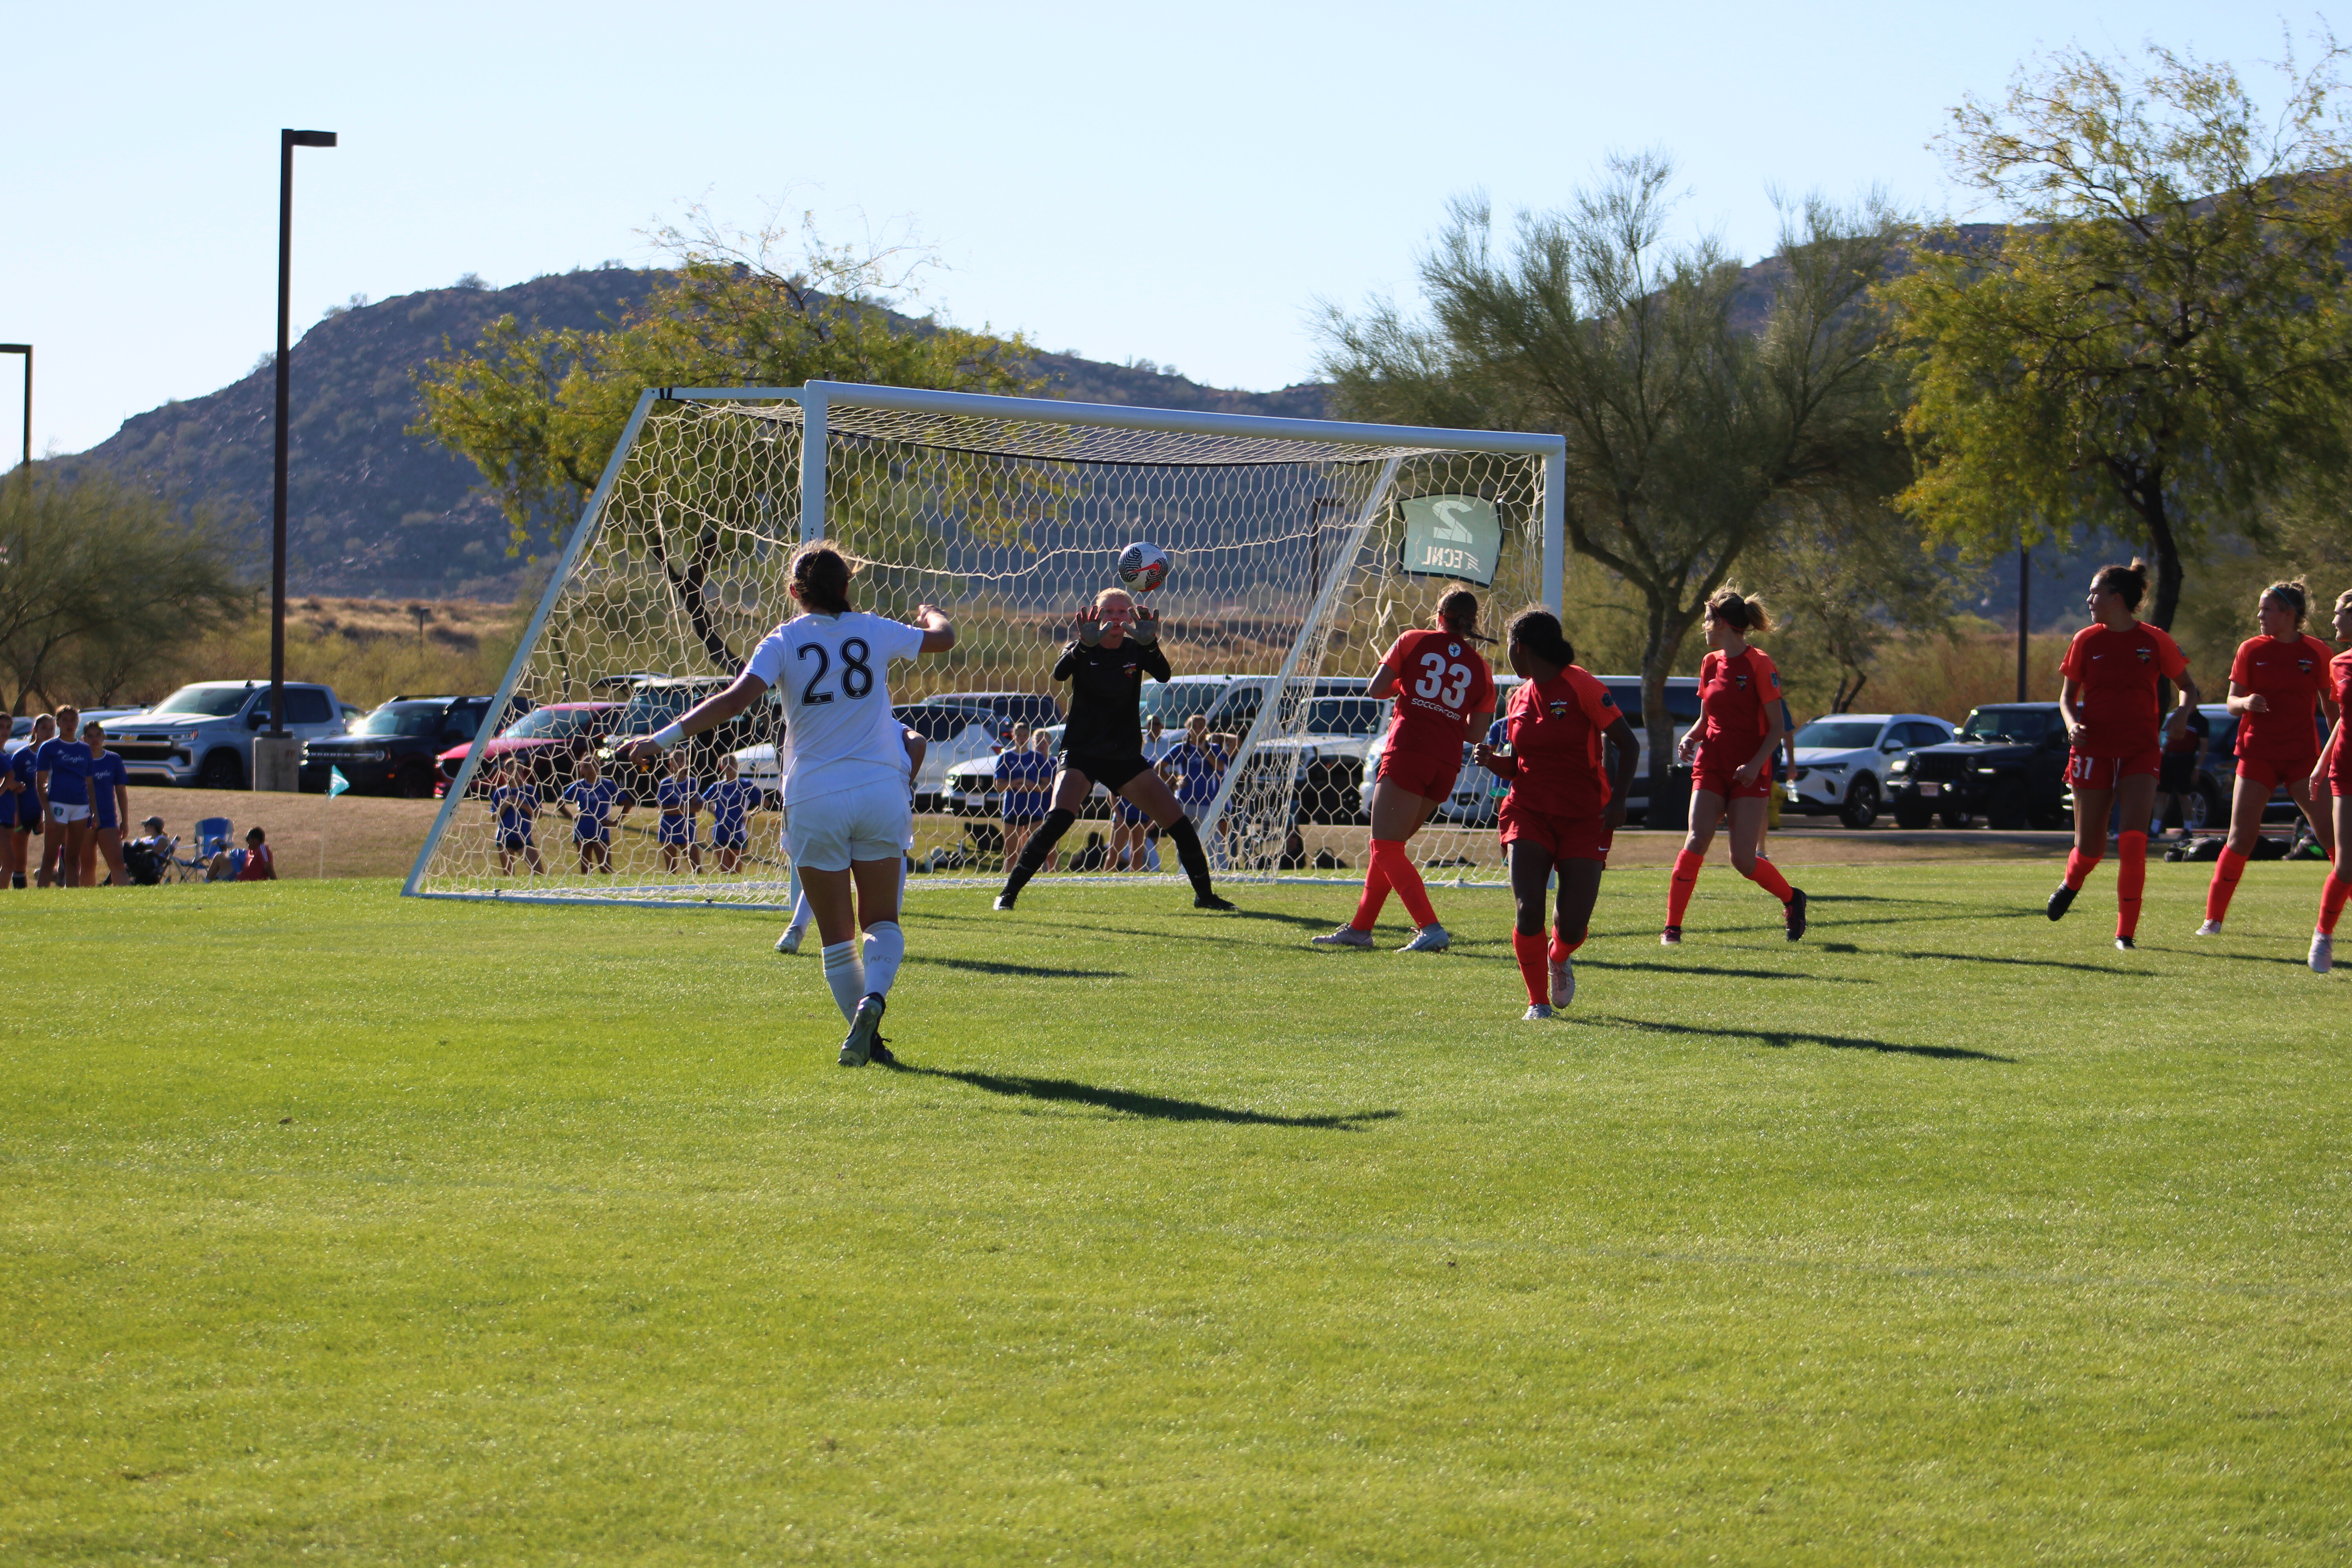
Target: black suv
<point>392,750</point>
<point>2008,767</point>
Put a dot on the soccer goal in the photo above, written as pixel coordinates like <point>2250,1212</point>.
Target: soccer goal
<point>1300,549</point>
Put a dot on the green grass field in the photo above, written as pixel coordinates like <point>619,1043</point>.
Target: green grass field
<point>338,1225</point>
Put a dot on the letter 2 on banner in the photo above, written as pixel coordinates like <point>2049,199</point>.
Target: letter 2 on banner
<point>1453,536</point>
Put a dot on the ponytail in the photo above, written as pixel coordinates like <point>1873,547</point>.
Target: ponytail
<point>1457,613</point>
<point>1740,612</point>
<point>2295,594</point>
<point>1537,630</point>
<point>820,578</point>
<point>2130,581</point>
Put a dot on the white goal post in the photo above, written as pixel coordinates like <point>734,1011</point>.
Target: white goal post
<point>1301,548</point>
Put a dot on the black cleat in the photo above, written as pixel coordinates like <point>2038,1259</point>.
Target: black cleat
<point>1796,913</point>
<point>1671,937</point>
<point>1004,901</point>
<point>1210,901</point>
<point>2061,901</point>
<point>2123,944</point>
<point>879,1053</point>
<point>865,1030</point>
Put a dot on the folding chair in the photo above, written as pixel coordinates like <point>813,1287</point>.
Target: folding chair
<point>213,835</point>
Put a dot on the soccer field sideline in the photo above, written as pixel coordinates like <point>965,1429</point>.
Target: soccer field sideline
<point>1945,1234</point>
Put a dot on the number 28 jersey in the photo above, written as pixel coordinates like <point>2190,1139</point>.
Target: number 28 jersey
<point>1441,682</point>
<point>830,672</point>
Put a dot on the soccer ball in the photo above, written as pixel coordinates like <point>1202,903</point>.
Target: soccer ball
<point>1143,567</point>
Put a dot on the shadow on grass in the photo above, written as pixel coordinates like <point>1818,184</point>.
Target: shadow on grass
<point>1026,971</point>
<point>1782,1039</point>
<point>1127,1102</point>
<point>1722,972</point>
<point>2027,962</point>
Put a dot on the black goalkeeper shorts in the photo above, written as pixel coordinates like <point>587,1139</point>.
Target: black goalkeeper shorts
<point>1113,773</point>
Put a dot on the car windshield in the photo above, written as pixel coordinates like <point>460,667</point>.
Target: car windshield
<point>1838,734</point>
<point>654,706</point>
<point>2007,724</point>
<point>1344,715</point>
<point>204,701</point>
<point>557,723</point>
<point>1174,704</point>
<point>402,719</point>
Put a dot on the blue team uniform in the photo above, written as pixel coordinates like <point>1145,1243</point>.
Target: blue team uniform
<point>67,765</point>
<point>22,809</point>
<point>105,773</point>
<point>515,805</point>
<point>676,797</point>
<point>595,804</point>
<point>1197,774</point>
<point>730,801</point>
<point>1025,785</point>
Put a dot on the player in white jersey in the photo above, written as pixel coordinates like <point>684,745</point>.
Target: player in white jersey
<point>797,926</point>
<point>847,795</point>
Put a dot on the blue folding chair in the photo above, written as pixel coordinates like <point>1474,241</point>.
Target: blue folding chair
<point>212,835</point>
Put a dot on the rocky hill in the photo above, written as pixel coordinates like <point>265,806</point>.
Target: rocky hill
<point>373,510</point>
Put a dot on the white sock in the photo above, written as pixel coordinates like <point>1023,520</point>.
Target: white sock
<point>886,947</point>
<point>846,976</point>
<point>800,918</point>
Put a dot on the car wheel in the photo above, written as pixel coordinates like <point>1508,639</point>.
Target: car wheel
<point>2200,807</point>
<point>1957,817</point>
<point>414,782</point>
<point>2007,810</point>
<point>1861,808</point>
<point>221,770</point>
<point>1911,816</point>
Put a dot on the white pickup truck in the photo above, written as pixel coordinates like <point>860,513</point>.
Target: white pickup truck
<point>203,735</point>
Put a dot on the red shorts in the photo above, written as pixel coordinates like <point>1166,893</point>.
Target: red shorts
<point>1722,778</point>
<point>2106,772</point>
<point>1429,774</point>
<point>2270,775</point>
<point>1562,837</point>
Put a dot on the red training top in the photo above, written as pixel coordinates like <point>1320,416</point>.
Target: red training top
<point>1733,694</point>
<point>260,866</point>
<point>1441,682</point>
<point>1558,765</point>
<point>2117,672</point>
<point>2339,675</point>
<point>2291,674</point>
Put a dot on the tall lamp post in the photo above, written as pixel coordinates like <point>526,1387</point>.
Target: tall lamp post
<point>282,769</point>
<point>2024,613</point>
<point>27,350</point>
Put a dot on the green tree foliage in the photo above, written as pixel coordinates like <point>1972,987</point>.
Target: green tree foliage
<point>2160,342</point>
<point>1692,436</point>
<point>540,411</point>
<point>101,585</point>
<point>1845,575</point>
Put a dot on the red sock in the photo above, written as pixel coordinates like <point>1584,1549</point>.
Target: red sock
<point>1376,893</point>
<point>2331,894</point>
<point>2079,867</point>
<point>1678,891</point>
<point>2224,886</point>
<point>2131,878</point>
<point>1562,947</point>
<point>1389,854</point>
<point>1528,948</point>
<point>1767,877</point>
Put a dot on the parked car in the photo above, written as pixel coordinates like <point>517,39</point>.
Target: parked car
<point>970,786</point>
<point>1843,760</point>
<point>1030,708</point>
<point>953,736</point>
<point>395,749</point>
<point>654,701</point>
<point>548,740</point>
<point>1336,746</point>
<point>2217,777</point>
<point>2007,766</point>
<point>202,733</point>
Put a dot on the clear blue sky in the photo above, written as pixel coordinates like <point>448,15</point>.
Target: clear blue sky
<point>1179,183</point>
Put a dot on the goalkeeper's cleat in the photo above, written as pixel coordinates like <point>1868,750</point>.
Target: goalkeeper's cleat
<point>2210,928</point>
<point>2123,944</point>
<point>2061,901</point>
<point>1430,938</point>
<point>1563,981</point>
<point>791,940</point>
<point>1794,914</point>
<point>864,1028</point>
<point>1537,1011</point>
<point>1345,936</point>
<point>1671,937</point>
<point>1004,901</point>
<point>879,1053</point>
<point>1210,901</point>
<point>2322,952</point>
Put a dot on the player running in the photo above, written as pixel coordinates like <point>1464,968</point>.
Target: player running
<point>1444,697</point>
<point>1741,721</point>
<point>1102,741</point>
<point>2335,768</point>
<point>2108,701</point>
<point>1566,802</point>
<point>848,809</point>
<point>2274,682</point>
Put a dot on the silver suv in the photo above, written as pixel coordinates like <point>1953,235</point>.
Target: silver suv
<point>203,735</point>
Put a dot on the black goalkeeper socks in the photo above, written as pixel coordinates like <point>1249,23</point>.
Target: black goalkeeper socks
<point>1188,850</point>
<point>1041,844</point>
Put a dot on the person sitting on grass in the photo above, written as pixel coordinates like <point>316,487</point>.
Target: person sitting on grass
<point>259,866</point>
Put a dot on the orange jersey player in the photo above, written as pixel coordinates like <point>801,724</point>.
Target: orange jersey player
<point>1730,749</point>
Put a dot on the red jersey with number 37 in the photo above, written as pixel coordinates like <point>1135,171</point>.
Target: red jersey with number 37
<point>2116,673</point>
<point>1558,765</point>
<point>2290,674</point>
<point>1441,681</point>
<point>1733,694</point>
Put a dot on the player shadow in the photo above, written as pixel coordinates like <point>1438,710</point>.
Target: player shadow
<point>1782,1039</point>
<point>1159,1108</point>
<point>2028,962</point>
<point>1026,971</point>
<point>1723,973</point>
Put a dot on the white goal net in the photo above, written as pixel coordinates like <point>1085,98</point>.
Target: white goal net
<point>1300,549</point>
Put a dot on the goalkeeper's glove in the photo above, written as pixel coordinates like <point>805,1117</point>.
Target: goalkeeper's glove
<point>1146,629</point>
<point>1090,631</point>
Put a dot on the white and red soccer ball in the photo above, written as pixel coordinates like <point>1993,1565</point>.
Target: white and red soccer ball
<point>1143,567</point>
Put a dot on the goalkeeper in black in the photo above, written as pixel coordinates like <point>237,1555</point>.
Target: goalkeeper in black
<point>1102,741</point>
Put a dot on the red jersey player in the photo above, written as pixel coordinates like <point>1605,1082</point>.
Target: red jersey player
<point>1739,729</point>
<point>1564,804</point>
<point>1443,695</point>
<point>2335,768</point>
<point>2275,682</point>
<point>2108,700</point>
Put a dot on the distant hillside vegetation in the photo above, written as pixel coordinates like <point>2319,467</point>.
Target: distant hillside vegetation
<point>373,510</point>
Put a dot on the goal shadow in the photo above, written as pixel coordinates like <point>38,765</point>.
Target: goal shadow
<point>1159,1108</point>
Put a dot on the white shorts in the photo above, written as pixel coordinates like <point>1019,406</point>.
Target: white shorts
<point>60,812</point>
<point>829,832</point>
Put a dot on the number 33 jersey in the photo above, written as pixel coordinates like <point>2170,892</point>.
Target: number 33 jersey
<point>1441,682</point>
<point>830,672</point>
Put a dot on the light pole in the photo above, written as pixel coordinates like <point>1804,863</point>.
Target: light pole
<point>2024,613</point>
<point>27,350</point>
<point>285,765</point>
